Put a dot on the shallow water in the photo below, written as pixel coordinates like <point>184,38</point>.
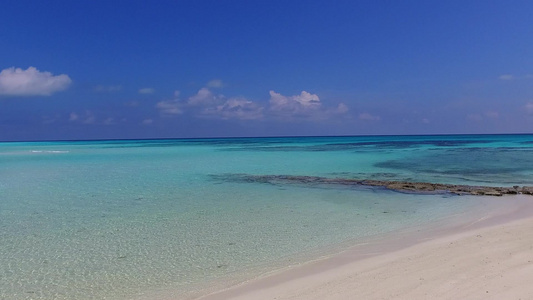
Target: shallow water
<point>114,219</point>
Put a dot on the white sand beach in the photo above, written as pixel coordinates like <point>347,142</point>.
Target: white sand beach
<point>492,259</point>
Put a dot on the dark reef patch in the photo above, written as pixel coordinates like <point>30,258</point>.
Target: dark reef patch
<point>399,186</point>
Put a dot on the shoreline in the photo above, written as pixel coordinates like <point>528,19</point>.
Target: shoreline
<point>363,270</point>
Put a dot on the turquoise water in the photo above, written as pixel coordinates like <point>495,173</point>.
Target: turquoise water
<point>119,219</point>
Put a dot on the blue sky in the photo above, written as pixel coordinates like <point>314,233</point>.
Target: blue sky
<point>155,69</point>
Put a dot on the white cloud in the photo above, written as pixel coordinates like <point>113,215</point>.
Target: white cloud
<point>506,77</point>
<point>87,118</point>
<point>297,103</point>
<point>513,77</point>
<point>107,88</point>
<point>73,116</point>
<point>369,117</point>
<point>236,108</point>
<point>146,91</point>
<point>202,103</point>
<point>19,82</point>
<point>215,83</point>
<point>302,106</point>
<point>529,107</point>
<point>307,99</point>
<point>147,121</point>
<point>305,105</point>
<point>340,109</point>
<point>205,97</point>
<point>207,104</point>
<point>170,107</point>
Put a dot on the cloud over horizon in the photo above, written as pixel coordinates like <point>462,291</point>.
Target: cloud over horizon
<point>298,104</point>
<point>369,117</point>
<point>87,118</point>
<point>204,97</point>
<point>236,108</point>
<point>169,107</point>
<point>207,104</point>
<point>302,106</point>
<point>31,82</point>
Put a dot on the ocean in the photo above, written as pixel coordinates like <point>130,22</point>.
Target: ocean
<point>126,219</point>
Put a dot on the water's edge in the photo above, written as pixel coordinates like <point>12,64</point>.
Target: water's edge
<point>338,255</point>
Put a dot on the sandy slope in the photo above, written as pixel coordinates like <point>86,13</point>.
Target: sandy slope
<point>493,262</point>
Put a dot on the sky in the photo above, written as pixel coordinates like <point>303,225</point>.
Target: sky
<point>223,68</point>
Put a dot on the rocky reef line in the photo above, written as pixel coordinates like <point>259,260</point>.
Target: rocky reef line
<point>400,186</point>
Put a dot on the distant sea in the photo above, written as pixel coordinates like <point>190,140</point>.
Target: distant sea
<point>121,219</point>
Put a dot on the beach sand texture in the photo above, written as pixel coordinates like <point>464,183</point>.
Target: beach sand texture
<point>494,262</point>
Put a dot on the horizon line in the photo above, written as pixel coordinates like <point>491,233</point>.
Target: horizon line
<point>256,137</point>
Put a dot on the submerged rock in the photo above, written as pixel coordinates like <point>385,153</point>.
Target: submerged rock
<point>401,186</point>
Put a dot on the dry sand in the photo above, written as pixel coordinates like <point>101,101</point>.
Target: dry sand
<point>492,259</point>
